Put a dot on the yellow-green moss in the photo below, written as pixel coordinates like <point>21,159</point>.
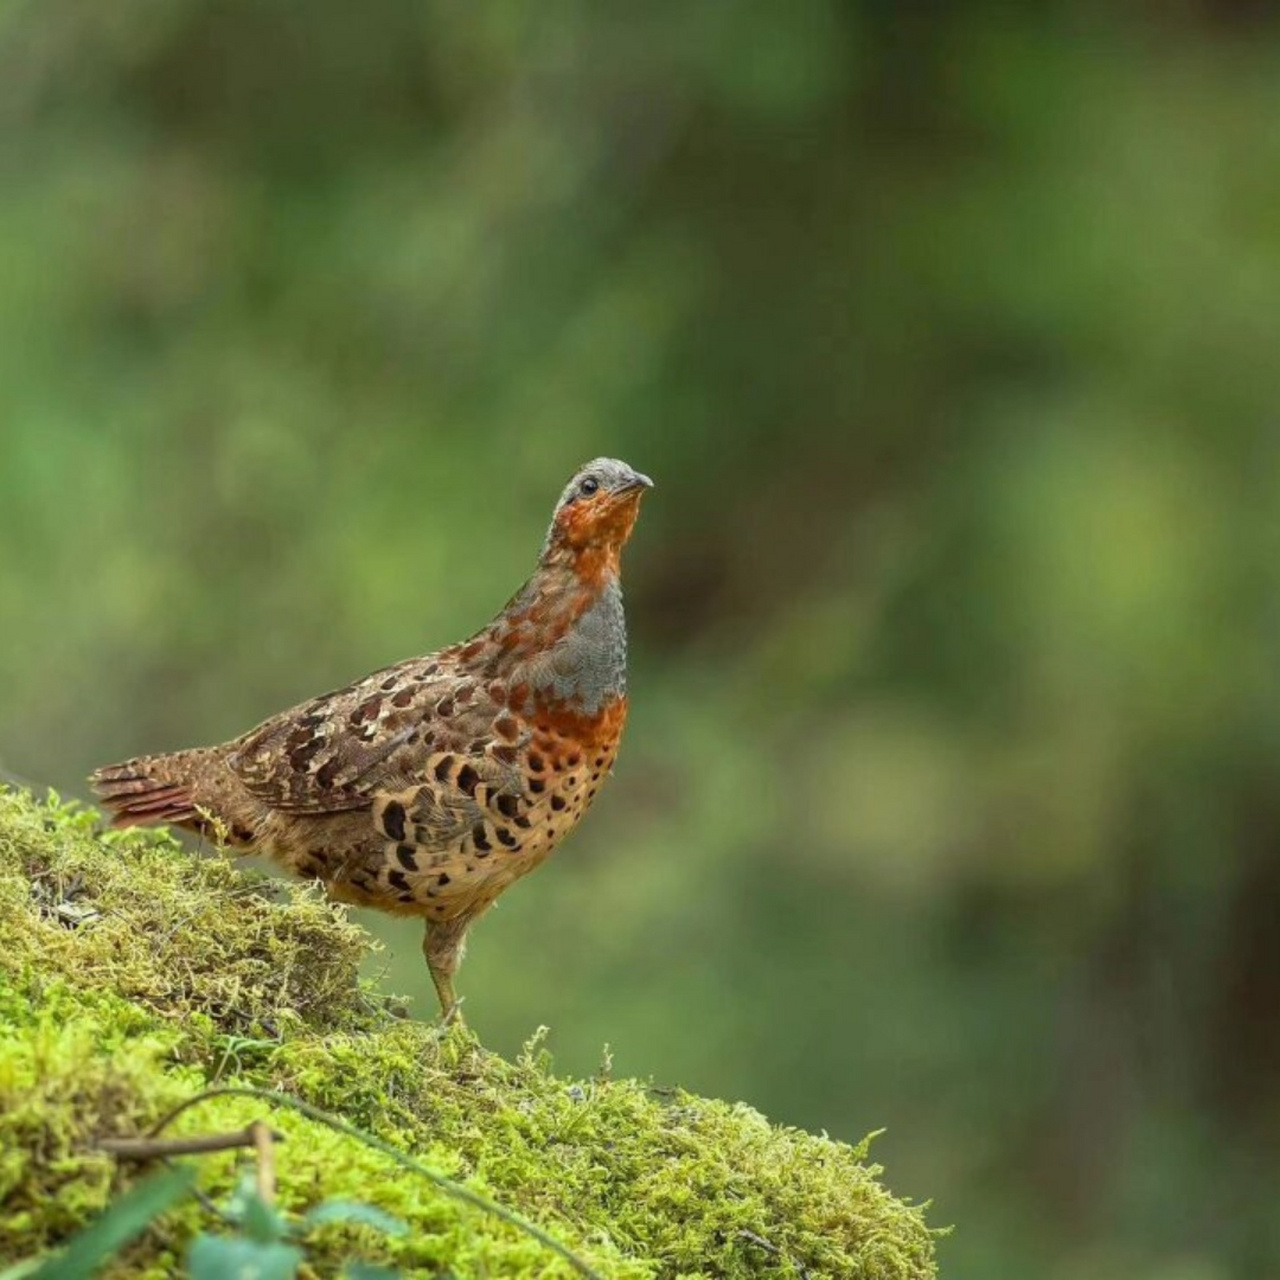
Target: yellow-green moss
<point>133,975</point>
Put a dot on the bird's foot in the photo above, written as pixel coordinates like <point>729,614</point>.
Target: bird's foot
<point>452,1017</point>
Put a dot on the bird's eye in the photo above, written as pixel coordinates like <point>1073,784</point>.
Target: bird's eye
<point>589,486</point>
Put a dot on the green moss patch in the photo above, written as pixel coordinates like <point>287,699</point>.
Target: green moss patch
<point>134,975</point>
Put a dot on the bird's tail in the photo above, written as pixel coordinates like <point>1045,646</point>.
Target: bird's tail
<point>150,789</point>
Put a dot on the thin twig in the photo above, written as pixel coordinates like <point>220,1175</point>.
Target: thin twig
<point>262,1137</point>
<point>154,1148</point>
<point>758,1240</point>
<point>770,1247</point>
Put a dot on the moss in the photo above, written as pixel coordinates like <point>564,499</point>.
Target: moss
<point>134,975</point>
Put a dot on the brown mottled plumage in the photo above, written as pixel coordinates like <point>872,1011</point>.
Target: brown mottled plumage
<point>428,787</point>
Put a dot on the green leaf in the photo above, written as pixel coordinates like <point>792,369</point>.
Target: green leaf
<point>22,1271</point>
<point>366,1215</point>
<point>235,1258</point>
<point>368,1271</point>
<point>124,1219</point>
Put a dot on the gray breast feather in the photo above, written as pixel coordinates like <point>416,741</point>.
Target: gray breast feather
<point>588,666</point>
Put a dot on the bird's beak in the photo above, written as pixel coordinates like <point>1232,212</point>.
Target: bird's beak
<point>636,483</point>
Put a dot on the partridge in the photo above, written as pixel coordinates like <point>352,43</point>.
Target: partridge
<point>428,787</point>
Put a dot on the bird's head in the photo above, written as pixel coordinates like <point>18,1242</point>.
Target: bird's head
<point>596,513</point>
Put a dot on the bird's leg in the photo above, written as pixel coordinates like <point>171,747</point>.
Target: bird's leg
<point>443,947</point>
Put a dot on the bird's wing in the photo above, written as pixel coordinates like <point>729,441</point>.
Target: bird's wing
<point>338,751</point>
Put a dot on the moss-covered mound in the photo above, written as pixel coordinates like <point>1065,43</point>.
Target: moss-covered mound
<point>134,975</point>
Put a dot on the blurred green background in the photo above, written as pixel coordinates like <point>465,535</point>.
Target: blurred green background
<point>948,802</point>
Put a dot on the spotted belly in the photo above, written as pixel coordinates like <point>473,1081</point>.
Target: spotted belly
<point>454,842</point>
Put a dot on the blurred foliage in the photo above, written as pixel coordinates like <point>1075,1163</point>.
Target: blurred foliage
<point>948,801</point>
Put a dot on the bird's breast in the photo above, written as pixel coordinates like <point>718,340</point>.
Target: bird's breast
<point>585,666</point>
<point>568,755</point>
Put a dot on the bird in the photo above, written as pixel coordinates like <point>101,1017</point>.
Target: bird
<point>430,786</point>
